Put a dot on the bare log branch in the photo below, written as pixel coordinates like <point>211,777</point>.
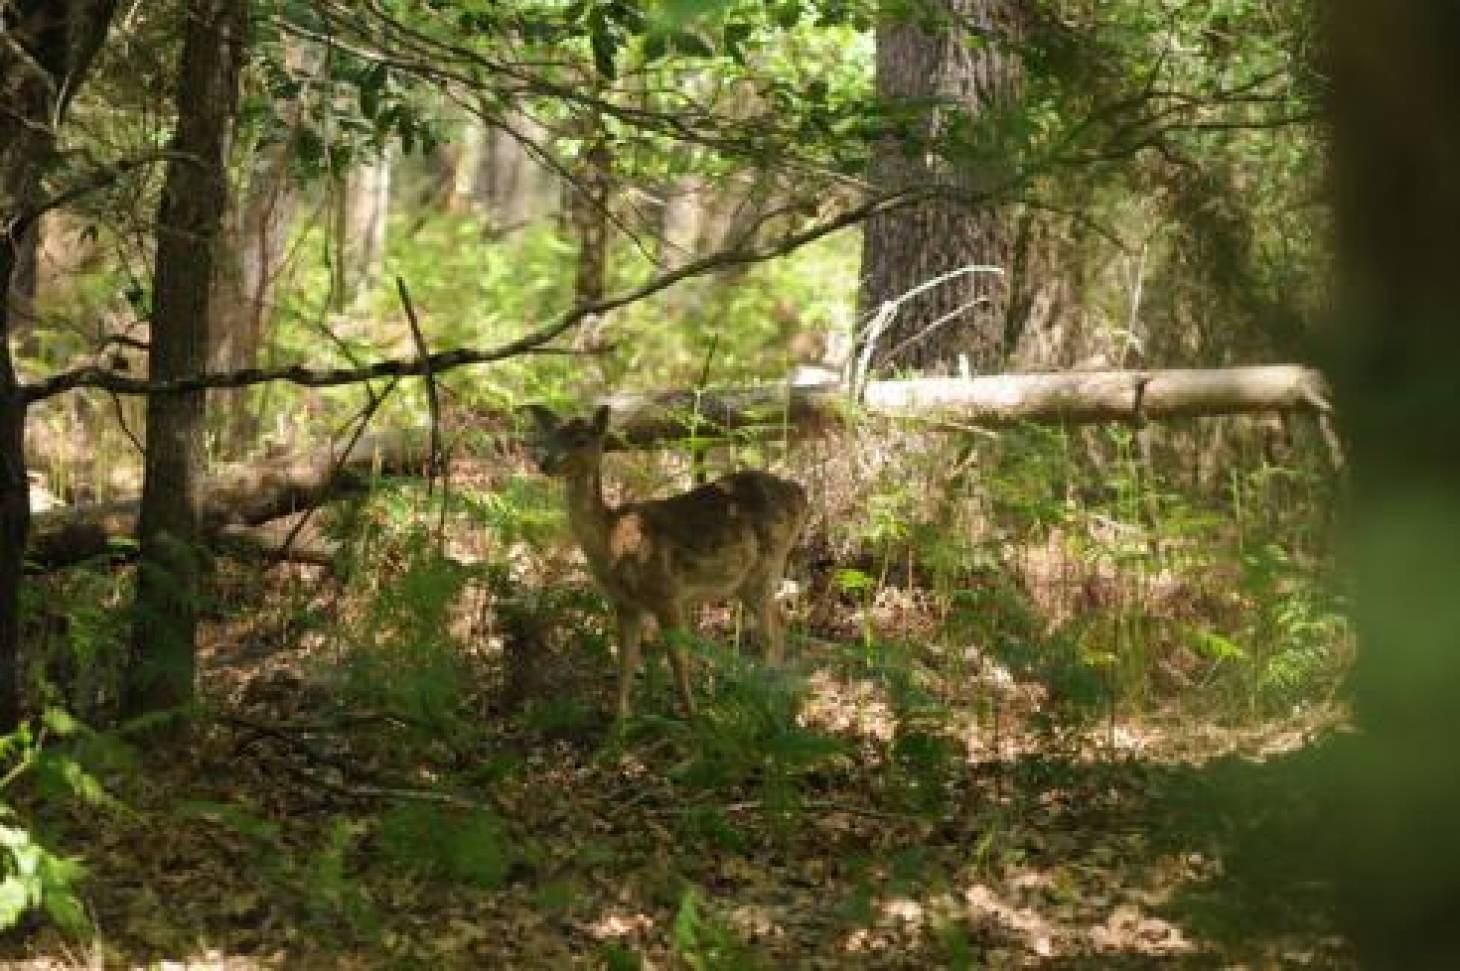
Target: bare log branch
<point>242,496</point>
<point>250,496</point>
<point>1065,397</point>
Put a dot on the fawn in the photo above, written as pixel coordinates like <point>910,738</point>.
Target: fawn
<point>661,558</point>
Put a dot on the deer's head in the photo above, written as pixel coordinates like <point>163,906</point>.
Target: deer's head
<point>566,448</point>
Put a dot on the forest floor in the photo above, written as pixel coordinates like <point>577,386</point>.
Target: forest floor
<point>292,831</point>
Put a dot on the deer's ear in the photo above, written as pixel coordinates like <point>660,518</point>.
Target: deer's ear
<point>600,419</point>
<point>543,418</point>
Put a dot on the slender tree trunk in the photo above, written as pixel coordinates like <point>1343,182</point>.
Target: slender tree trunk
<point>24,282</point>
<point>250,256</point>
<point>931,57</point>
<point>362,211</point>
<point>590,201</point>
<point>194,199</point>
<point>14,510</point>
<point>1396,814</point>
<point>468,167</point>
<point>48,49</point>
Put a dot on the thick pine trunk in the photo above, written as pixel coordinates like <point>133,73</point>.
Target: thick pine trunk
<point>954,69</point>
<point>14,519</point>
<point>194,198</point>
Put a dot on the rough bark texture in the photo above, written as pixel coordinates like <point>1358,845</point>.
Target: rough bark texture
<point>194,199</point>
<point>943,83</point>
<point>24,282</point>
<point>589,212</point>
<point>49,46</point>
<point>1396,813</point>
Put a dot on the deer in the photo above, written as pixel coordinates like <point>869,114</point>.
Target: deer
<point>725,540</point>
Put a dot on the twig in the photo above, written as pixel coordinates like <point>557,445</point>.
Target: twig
<point>436,466</point>
<point>756,805</point>
<point>371,407</point>
<point>369,791</point>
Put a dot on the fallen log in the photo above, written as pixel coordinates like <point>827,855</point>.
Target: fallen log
<point>256,494</point>
<point>237,497</point>
<point>1063,397</point>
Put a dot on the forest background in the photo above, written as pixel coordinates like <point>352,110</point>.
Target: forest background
<point>1074,623</point>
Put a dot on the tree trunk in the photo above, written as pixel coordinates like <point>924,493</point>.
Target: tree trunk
<point>590,201</point>
<point>979,318</point>
<point>1396,812</point>
<point>468,164</point>
<point>24,282</point>
<point>250,256</point>
<point>362,211</point>
<point>49,47</point>
<point>194,199</point>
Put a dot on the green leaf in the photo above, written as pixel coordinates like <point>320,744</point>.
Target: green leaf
<point>15,900</point>
<point>59,721</point>
<point>1213,645</point>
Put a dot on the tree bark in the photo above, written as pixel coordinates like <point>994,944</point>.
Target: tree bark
<point>1395,810</point>
<point>24,282</point>
<point>362,212</point>
<point>250,256</point>
<point>1066,397</point>
<point>194,199</point>
<point>957,56</point>
<point>48,50</point>
<point>589,213</point>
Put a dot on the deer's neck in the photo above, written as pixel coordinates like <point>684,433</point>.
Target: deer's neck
<point>588,515</point>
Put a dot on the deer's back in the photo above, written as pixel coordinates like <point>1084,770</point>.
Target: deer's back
<point>703,544</point>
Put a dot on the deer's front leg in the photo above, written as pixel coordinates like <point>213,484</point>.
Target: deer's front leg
<point>630,632</point>
<point>759,600</point>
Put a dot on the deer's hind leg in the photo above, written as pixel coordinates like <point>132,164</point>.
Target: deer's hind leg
<point>630,634</point>
<point>671,629</point>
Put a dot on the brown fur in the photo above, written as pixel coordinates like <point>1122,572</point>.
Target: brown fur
<point>728,539</point>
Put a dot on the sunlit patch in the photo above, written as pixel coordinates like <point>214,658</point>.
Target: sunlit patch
<point>1038,934</point>
<point>1129,929</point>
<point>858,708</point>
<point>616,924</point>
<point>755,921</point>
